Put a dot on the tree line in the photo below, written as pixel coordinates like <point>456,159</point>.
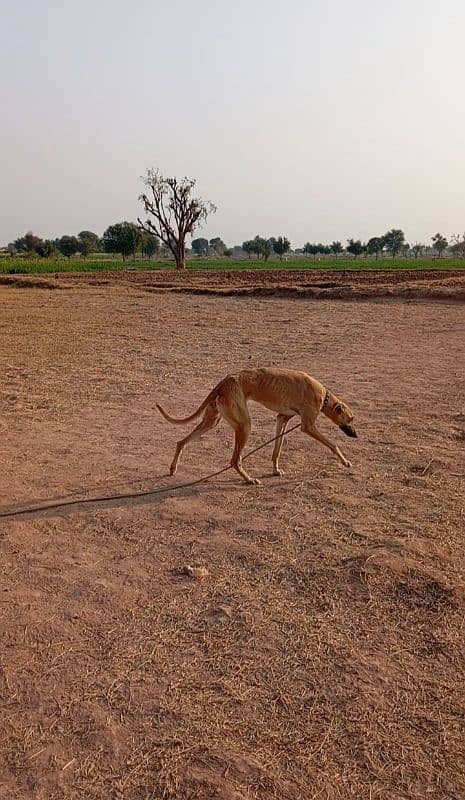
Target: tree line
<point>127,239</point>
<point>173,213</point>
<point>124,238</point>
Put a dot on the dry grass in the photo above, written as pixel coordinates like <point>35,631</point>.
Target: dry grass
<point>323,654</point>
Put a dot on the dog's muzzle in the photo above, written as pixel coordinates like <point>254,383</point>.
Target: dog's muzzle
<point>349,431</point>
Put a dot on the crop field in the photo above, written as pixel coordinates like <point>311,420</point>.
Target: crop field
<point>30,266</point>
<point>319,653</point>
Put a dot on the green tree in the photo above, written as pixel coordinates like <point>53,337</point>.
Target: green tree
<point>440,243</point>
<point>262,247</point>
<point>281,246</point>
<point>336,248</point>
<point>393,241</point>
<point>267,248</point>
<point>67,245</point>
<point>417,249</point>
<point>458,245</point>
<point>248,247</point>
<point>135,235</point>
<point>311,250</point>
<point>218,246</point>
<point>355,247</point>
<point>405,250</point>
<point>89,242</point>
<point>256,246</point>
<point>200,247</point>
<point>123,237</point>
<point>173,212</point>
<point>150,245</point>
<point>46,249</point>
<point>27,243</point>
<point>375,246</point>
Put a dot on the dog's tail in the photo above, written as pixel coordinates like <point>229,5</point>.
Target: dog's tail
<point>176,421</point>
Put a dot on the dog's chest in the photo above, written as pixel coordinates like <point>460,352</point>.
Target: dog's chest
<point>274,393</point>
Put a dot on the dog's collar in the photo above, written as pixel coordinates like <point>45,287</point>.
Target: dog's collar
<point>326,400</point>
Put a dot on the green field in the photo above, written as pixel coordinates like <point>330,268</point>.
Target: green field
<point>31,266</point>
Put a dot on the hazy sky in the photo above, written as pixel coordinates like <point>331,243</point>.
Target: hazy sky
<point>317,119</point>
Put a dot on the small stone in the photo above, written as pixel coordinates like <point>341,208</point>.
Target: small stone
<point>197,573</point>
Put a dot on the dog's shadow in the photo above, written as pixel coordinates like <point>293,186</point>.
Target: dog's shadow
<point>61,507</point>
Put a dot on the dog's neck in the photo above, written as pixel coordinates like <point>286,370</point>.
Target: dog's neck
<point>328,402</point>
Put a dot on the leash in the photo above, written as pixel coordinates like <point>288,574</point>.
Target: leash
<point>103,498</point>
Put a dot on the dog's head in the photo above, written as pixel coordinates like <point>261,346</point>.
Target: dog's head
<point>343,417</point>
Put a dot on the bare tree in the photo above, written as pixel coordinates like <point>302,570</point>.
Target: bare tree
<point>173,213</point>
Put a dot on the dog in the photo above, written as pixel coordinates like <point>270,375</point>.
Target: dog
<point>287,392</point>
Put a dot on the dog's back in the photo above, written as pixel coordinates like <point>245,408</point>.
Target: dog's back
<point>280,388</point>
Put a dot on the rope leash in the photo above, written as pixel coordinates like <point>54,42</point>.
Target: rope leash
<point>103,498</point>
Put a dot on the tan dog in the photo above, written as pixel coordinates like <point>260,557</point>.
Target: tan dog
<point>287,392</point>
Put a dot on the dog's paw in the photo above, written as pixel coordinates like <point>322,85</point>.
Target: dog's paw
<point>278,472</point>
<point>173,470</point>
<point>254,482</point>
<point>348,464</point>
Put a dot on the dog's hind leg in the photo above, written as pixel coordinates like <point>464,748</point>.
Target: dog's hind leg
<point>308,426</point>
<point>241,434</point>
<point>210,418</point>
<point>237,414</point>
<point>281,425</point>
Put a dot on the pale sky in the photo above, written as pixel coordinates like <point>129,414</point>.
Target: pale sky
<point>311,119</point>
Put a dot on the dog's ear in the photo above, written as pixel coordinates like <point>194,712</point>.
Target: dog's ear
<point>337,408</point>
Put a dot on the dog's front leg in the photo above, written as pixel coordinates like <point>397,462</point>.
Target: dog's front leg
<point>310,429</point>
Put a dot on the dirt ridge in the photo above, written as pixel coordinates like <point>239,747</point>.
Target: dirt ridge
<point>300,284</point>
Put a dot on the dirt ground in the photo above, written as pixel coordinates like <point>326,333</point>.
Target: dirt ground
<point>323,654</point>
